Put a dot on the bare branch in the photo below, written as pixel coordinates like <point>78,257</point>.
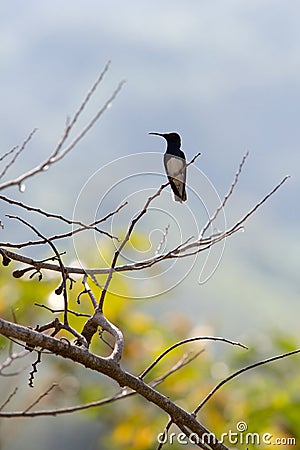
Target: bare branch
<point>184,361</point>
<point>55,311</point>
<point>226,197</point>
<point>17,153</point>
<point>122,394</point>
<point>163,240</point>
<point>40,397</point>
<point>82,226</point>
<point>62,268</point>
<point>39,341</point>
<point>11,395</point>
<point>189,249</point>
<point>9,361</point>
<point>239,372</point>
<point>9,152</point>
<point>165,433</point>
<point>186,341</point>
<point>77,114</point>
<point>87,290</point>
<point>260,203</point>
<point>60,151</point>
<point>112,369</point>
<point>236,227</point>
<point>57,237</point>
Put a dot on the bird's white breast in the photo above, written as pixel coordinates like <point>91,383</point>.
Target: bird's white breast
<point>174,166</point>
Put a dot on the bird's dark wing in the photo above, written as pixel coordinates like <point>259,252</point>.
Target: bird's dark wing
<point>179,190</point>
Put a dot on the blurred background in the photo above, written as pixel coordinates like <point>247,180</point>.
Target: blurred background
<point>226,76</point>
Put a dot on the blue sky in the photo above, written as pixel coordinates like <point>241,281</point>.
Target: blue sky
<point>225,74</point>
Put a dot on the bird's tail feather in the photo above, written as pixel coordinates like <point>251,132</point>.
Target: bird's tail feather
<point>179,190</point>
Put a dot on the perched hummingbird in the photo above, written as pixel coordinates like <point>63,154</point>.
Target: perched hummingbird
<point>175,165</point>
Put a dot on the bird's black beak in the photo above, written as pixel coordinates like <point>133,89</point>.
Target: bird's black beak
<point>158,134</point>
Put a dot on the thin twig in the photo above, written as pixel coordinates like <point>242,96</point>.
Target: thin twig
<point>82,226</point>
<point>184,361</point>
<point>9,360</point>
<point>237,226</point>
<point>56,311</point>
<point>91,123</point>
<point>40,397</point>
<point>56,237</point>
<point>62,268</point>
<point>226,197</point>
<point>186,341</point>
<point>70,409</point>
<point>88,291</point>
<point>77,114</point>
<point>165,433</point>
<point>11,395</point>
<point>163,240</point>
<point>60,152</point>
<point>239,372</point>
<point>9,152</point>
<point>260,203</point>
<point>17,153</point>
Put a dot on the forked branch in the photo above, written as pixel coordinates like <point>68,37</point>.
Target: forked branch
<point>60,151</point>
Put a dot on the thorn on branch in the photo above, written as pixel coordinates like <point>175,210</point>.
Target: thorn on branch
<point>59,289</point>
<point>19,273</point>
<point>87,290</point>
<point>72,281</point>
<point>40,277</point>
<point>5,259</point>
<point>79,295</point>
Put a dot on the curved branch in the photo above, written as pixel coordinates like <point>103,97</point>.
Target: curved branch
<point>109,367</point>
<point>121,394</point>
<point>186,341</point>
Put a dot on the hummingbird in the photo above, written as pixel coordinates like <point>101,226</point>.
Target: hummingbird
<point>175,165</point>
